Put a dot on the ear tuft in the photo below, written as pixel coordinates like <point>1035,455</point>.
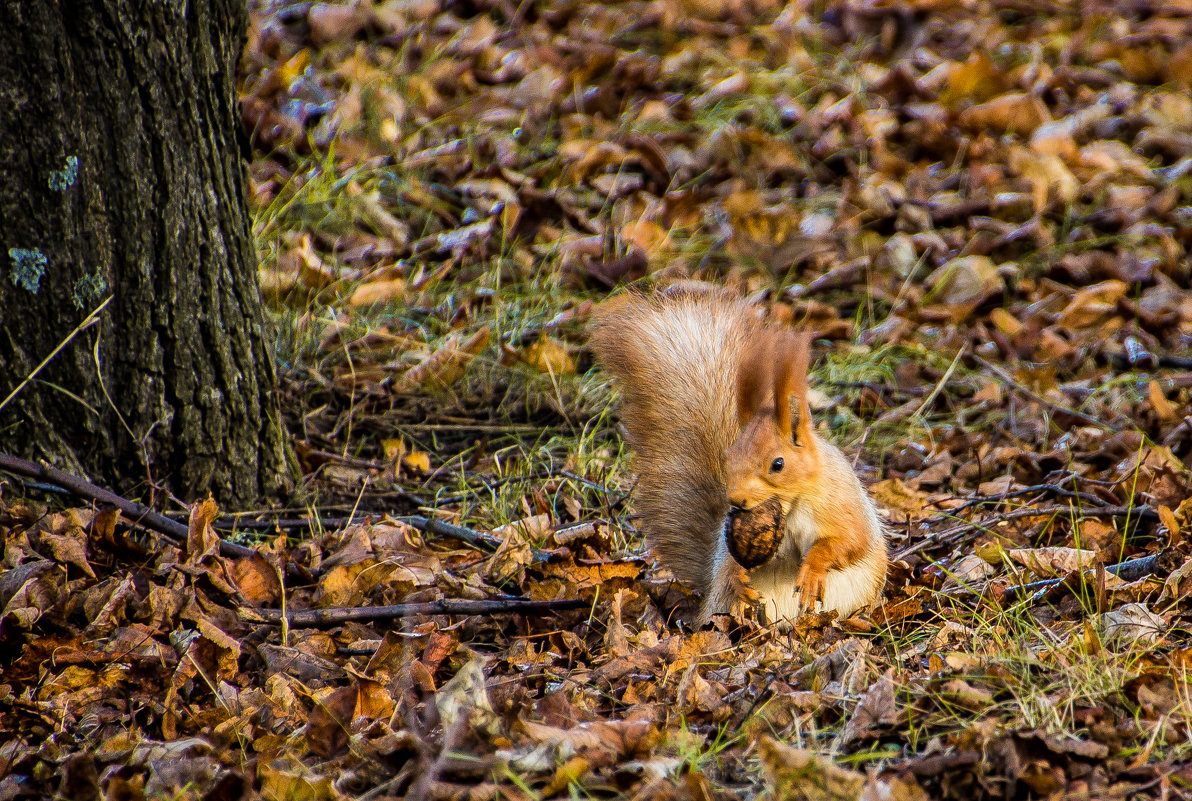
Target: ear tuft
<point>791,379</point>
<point>753,374</point>
<point>784,377</point>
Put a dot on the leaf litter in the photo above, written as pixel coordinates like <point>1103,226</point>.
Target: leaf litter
<point>982,208</point>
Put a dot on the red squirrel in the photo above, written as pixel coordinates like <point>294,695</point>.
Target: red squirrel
<point>706,400</point>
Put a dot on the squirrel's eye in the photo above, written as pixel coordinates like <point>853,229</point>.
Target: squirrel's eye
<point>776,465</point>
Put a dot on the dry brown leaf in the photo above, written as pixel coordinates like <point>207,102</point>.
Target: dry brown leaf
<point>327,733</point>
<point>794,774</point>
<point>1050,562</point>
<point>446,365</point>
<point>1164,409</point>
<point>1019,113</point>
<point>1049,178</point>
<point>202,540</point>
<point>257,580</point>
<point>29,590</point>
<point>894,494</point>
<point>374,292</point>
<point>966,280</point>
<point>1132,623</point>
<point>876,709</point>
<point>1091,305</point>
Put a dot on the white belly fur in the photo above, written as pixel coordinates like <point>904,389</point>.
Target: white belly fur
<point>845,591</point>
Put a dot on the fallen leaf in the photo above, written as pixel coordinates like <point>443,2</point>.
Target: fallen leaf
<point>1132,623</point>
<point>1049,562</point>
<point>1019,113</point>
<point>794,774</point>
<point>876,709</point>
<point>966,280</point>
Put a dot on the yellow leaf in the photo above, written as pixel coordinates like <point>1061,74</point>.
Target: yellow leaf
<point>375,292</point>
<point>510,213</point>
<point>393,449</point>
<point>1093,304</point>
<point>417,461</point>
<point>1019,113</point>
<point>1049,177</point>
<point>1005,322</point>
<point>573,770</point>
<point>991,552</point>
<point>743,203</point>
<point>294,67</point>
<point>548,356</point>
<point>976,79</point>
<point>1166,411</point>
<point>646,235</point>
<point>446,365</point>
<point>314,273</point>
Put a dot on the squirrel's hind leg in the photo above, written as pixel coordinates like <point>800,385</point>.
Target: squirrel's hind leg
<point>728,591</point>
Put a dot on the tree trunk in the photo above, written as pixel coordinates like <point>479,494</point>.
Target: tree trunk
<point>122,183</point>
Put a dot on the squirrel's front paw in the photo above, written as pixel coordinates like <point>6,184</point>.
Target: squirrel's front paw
<point>810,585</point>
<point>745,598</point>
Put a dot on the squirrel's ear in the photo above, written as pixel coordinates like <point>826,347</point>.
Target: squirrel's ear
<point>784,377</point>
<point>791,379</point>
<point>751,375</point>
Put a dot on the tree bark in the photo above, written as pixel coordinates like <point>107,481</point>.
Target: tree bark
<point>123,179</point>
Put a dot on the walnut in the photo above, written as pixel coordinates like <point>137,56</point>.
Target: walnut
<point>755,534</point>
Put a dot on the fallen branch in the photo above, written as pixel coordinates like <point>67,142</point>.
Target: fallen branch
<point>134,513</point>
<point>840,277</point>
<point>442,528</point>
<point>1009,381</point>
<point>1053,489</point>
<point>1148,361</point>
<point>430,525</point>
<point>947,536</point>
<point>231,524</point>
<point>1130,570</point>
<point>316,618</point>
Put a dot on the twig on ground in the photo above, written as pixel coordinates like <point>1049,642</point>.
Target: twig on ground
<point>839,277</point>
<point>881,389</point>
<point>487,542</point>
<point>315,618</point>
<point>1052,489</point>
<point>442,528</point>
<point>133,512</point>
<point>292,523</point>
<point>1130,570</point>
<point>1009,381</point>
<point>946,537</point>
<point>1148,362</point>
<point>939,386</point>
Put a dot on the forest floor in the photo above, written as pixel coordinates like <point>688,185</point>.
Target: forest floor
<point>983,208</point>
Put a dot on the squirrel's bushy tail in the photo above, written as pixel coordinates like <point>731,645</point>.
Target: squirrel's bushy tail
<point>676,358</point>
